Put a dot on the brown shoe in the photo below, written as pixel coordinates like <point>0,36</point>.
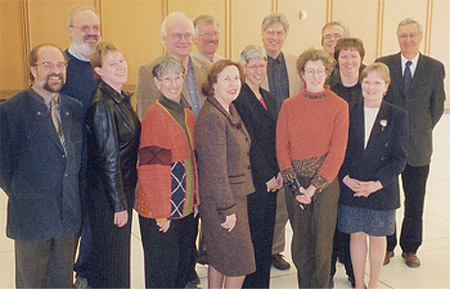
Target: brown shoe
<point>411,260</point>
<point>279,262</point>
<point>387,258</point>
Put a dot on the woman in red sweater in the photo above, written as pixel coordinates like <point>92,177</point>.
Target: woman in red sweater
<point>167,193</point>
<point>311,136</point>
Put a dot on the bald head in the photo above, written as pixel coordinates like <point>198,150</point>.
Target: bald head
<point>83,27</point>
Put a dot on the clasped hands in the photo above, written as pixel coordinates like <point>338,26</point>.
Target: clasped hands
<point>362,188</point>
<point>306,195</point>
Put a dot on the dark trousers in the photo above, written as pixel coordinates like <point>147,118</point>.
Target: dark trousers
<point>414,181</point>
<point>83,266</point>
<point>45,263</point>
<point>341,250</point>
<point>110,248</point>
<point>167,255</point>
<point>194,253</point>
<point>312,240</point>
<point>261,208</point>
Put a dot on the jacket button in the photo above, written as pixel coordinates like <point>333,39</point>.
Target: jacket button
<point>386,144</point>
<point>382,158</point>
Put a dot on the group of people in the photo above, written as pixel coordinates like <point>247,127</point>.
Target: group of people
<point>318,139</point>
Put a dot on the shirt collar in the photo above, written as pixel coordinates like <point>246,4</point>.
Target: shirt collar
<point>46,97</point>
<point>413,65</point>
<point>76,54</point>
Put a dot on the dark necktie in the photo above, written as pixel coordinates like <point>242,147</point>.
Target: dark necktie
<point>407,77</point>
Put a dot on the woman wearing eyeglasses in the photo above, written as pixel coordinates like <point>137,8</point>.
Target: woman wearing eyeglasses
<point>167,194</point>
<point>311,140</point>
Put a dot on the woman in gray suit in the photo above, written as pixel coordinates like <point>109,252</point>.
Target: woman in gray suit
<point>223,147</point>
<point>376,155</point>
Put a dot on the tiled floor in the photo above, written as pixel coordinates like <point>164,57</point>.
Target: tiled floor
<point>435,252</point>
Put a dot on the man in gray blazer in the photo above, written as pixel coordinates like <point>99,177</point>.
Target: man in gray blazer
<point>417,86</point>
<point>177,33</point>
<point>282,81</point>
<point>40,140</point>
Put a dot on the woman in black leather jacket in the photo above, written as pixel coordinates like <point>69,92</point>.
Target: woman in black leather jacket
<point>113,132</point>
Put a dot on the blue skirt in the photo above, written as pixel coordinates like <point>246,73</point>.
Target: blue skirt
<point>371,222</point>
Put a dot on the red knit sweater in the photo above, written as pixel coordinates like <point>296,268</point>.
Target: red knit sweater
<point>312,132</point>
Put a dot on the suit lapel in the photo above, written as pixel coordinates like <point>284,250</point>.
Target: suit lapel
<point>419,74</point>
<point>397,74</point>
<point>357,126</point>
<point>66,119</point>
<point>381,121</point>
<point>44,121</point>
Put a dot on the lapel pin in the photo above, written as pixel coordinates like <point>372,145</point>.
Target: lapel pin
<point>383,123</point>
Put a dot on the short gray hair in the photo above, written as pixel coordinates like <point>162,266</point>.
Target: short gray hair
<point>171,17</point>
<point>329,24</point>
<point>77,9</point>
<point>167,63</point>
<point>274,18</point>
<point>204,19</point>
<point>407,21</point>
<point>252,52</point>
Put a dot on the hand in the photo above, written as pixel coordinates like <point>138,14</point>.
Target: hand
<point>120,218</point>
<point>352,183</point>
<point>230,222</point>
<point>310,191</point>
<point>163,225</point>
<point>303,198</point>
<point>367,188</point>
<point>271,185</point>
<point>195,212</point>
<point>279,181</point>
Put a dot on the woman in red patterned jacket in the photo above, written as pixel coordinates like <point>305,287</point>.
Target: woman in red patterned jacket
<point>167,194</point>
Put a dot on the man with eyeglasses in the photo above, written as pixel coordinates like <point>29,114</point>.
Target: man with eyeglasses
<point>418,86</point>
<point>206,38</point>
<point>177,33</point>
<point>83,27</point>
<point>40,140</point>
<point>331,33</point>
<point>282,81</point>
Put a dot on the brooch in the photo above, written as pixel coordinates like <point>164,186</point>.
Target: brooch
<point>383,123</point>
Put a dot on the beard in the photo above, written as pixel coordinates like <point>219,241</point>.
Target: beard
<point>51,85</point>
<point>84,47</point>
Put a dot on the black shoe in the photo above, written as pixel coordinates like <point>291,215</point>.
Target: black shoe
<point>387,257</point>
<point>192,279</point>
<point>280,263</point>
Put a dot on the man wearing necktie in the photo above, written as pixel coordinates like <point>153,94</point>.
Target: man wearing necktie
<point>206,38</point>
<point>417,86</point>
<point>40,140</point>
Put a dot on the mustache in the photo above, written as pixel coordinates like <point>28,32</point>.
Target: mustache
<point>55,74</point>
<point>92,36</point>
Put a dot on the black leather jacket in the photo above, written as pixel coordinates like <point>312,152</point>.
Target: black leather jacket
<point>113,132</point>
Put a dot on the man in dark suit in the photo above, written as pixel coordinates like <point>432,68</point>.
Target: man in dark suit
<point>40,140</point>
<point>418,86</point>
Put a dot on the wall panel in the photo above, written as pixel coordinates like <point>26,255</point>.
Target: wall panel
<point>305,33</point>
<point>395,11</point>
<point>13,74</point>
<point>362,25</point>
<point>138,34</point>
<point>246,17</point>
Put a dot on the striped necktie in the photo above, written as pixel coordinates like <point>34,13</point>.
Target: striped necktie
<point>57,122</point>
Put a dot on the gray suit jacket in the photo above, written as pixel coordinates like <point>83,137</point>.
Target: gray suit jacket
<point>425,102</point>
<point>295,82</point>
<point>147,92</point>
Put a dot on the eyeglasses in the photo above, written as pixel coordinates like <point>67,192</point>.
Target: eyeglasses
<point>273,32</point>
<point>336,36</point>
<point>257,67</point>
<point>178,36</point>
<point>87,28</point>
<point>319,72</point>
<point>404,36</point>
<point>169,80</point>
<point>51,65</point>
<point>209,34</point>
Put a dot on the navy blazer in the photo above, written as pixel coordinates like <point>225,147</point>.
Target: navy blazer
<point>261,126</point>
<point>40,180</point>
<point>383,159</point>
<point>425,102</point>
